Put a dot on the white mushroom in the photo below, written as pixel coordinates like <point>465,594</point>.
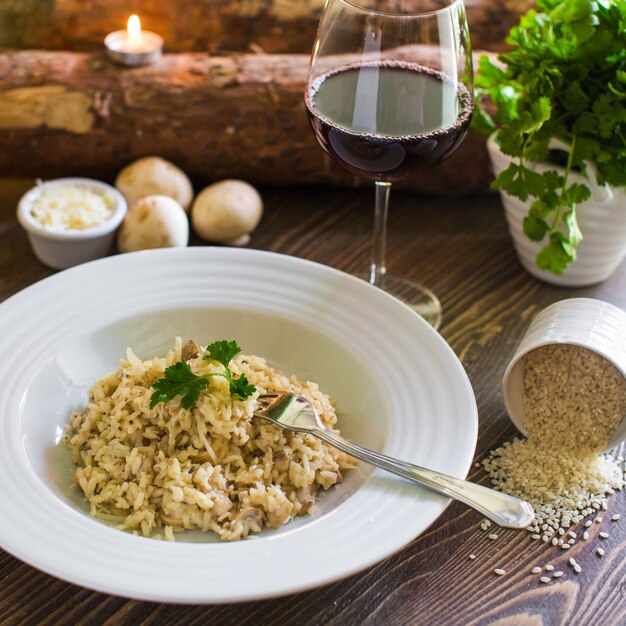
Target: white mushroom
<point>153,175</point>
<point>154,222</point>
<point>227,212</point>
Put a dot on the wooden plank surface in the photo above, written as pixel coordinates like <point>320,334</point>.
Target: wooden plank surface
<point>460,248</point>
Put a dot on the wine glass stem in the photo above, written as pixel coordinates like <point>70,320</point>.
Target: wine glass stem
<point>379,240</point>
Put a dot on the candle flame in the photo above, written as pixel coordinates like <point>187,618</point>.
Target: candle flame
<point>134,27</point>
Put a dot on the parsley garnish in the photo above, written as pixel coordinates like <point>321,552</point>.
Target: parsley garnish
<point>179,380</point>
<point>564,77</point>
<point>224,352</point>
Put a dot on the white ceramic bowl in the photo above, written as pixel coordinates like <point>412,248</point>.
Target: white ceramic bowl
<point>66,249</point>
<point>584,322</point>
<point>398,387</point>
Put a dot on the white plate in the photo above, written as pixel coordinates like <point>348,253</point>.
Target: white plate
<point>398,386</point>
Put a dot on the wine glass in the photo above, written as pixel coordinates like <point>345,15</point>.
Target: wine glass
<point>390,93</point>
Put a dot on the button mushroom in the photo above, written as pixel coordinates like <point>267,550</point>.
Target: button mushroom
<point>154,222</point>
<point>227,212</point>
<point>150,176</point>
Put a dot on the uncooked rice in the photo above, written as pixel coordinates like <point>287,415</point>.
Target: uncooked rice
<point>572,396</point>
<point>574,400</point>
<point>212,468</point>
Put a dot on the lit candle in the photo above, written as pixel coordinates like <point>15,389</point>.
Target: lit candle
<point>134,46</point>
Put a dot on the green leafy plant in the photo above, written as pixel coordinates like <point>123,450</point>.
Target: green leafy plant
<point>179,379</point>
<point>564,78</point>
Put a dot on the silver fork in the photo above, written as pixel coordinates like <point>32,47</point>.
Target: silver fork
<point>297,413</point>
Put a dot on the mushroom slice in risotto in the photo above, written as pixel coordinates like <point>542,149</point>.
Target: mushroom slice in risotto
<point>171,521</point>
<point>250,514</point>
<point>279,516</point>
<point>191,350</point>
<point>306,498</point>
<point>281,461</point>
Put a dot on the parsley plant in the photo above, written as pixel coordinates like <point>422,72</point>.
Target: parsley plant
<point>565,77</point>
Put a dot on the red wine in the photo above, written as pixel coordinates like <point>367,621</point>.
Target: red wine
<point>385,121</point>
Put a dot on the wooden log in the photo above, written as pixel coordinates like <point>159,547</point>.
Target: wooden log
<point>237,116</point>
<point>275,26</point>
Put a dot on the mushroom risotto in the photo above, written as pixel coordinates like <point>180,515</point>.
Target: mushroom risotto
<point>211,467</point>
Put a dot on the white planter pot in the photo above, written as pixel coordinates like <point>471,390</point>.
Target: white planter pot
<point>602,221</point>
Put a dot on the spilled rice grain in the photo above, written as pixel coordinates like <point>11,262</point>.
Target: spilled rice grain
<point>559,468</point>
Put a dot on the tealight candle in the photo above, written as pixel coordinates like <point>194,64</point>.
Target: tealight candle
<point>134,46</point>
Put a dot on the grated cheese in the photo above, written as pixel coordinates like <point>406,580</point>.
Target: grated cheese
<point>71,207</point>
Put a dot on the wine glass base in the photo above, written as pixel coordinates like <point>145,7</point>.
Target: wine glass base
<point>420,299</point>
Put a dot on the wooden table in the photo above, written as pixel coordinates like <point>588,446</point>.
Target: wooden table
<point>458,246</point>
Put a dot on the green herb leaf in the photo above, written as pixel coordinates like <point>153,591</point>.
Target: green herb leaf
<point>519,181</point>
<point>535,227</point>
<point>483,122</point>
<point>575,194</point>
<point>178,379</point>
<point>240,387</point>
<point>534,118</point>
<point>555,257</point>
<point>576,100</point>
<point>506,177</point>
<point>222,351</point>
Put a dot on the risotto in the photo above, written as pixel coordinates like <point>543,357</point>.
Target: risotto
<point>212,467</point>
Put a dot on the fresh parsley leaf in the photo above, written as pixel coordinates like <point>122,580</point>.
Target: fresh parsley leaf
<point>575,194</point>
<point>519,181</point>
<point>178,379</point>
<point>534,182</point>
<point>240,388</point>
<point>506,177</point>
<point>556,256</point>
<point>511,141</point>
<point>483,122</point>
<point>222,351</point>
<point>576,100</point>
<point>535,227</point>
<point>554,181</point>
<point>538,113</point>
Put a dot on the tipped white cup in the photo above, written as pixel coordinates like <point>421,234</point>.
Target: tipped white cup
<point>584,322</point>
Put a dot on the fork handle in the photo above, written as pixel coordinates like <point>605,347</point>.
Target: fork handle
<point>499,507</point>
